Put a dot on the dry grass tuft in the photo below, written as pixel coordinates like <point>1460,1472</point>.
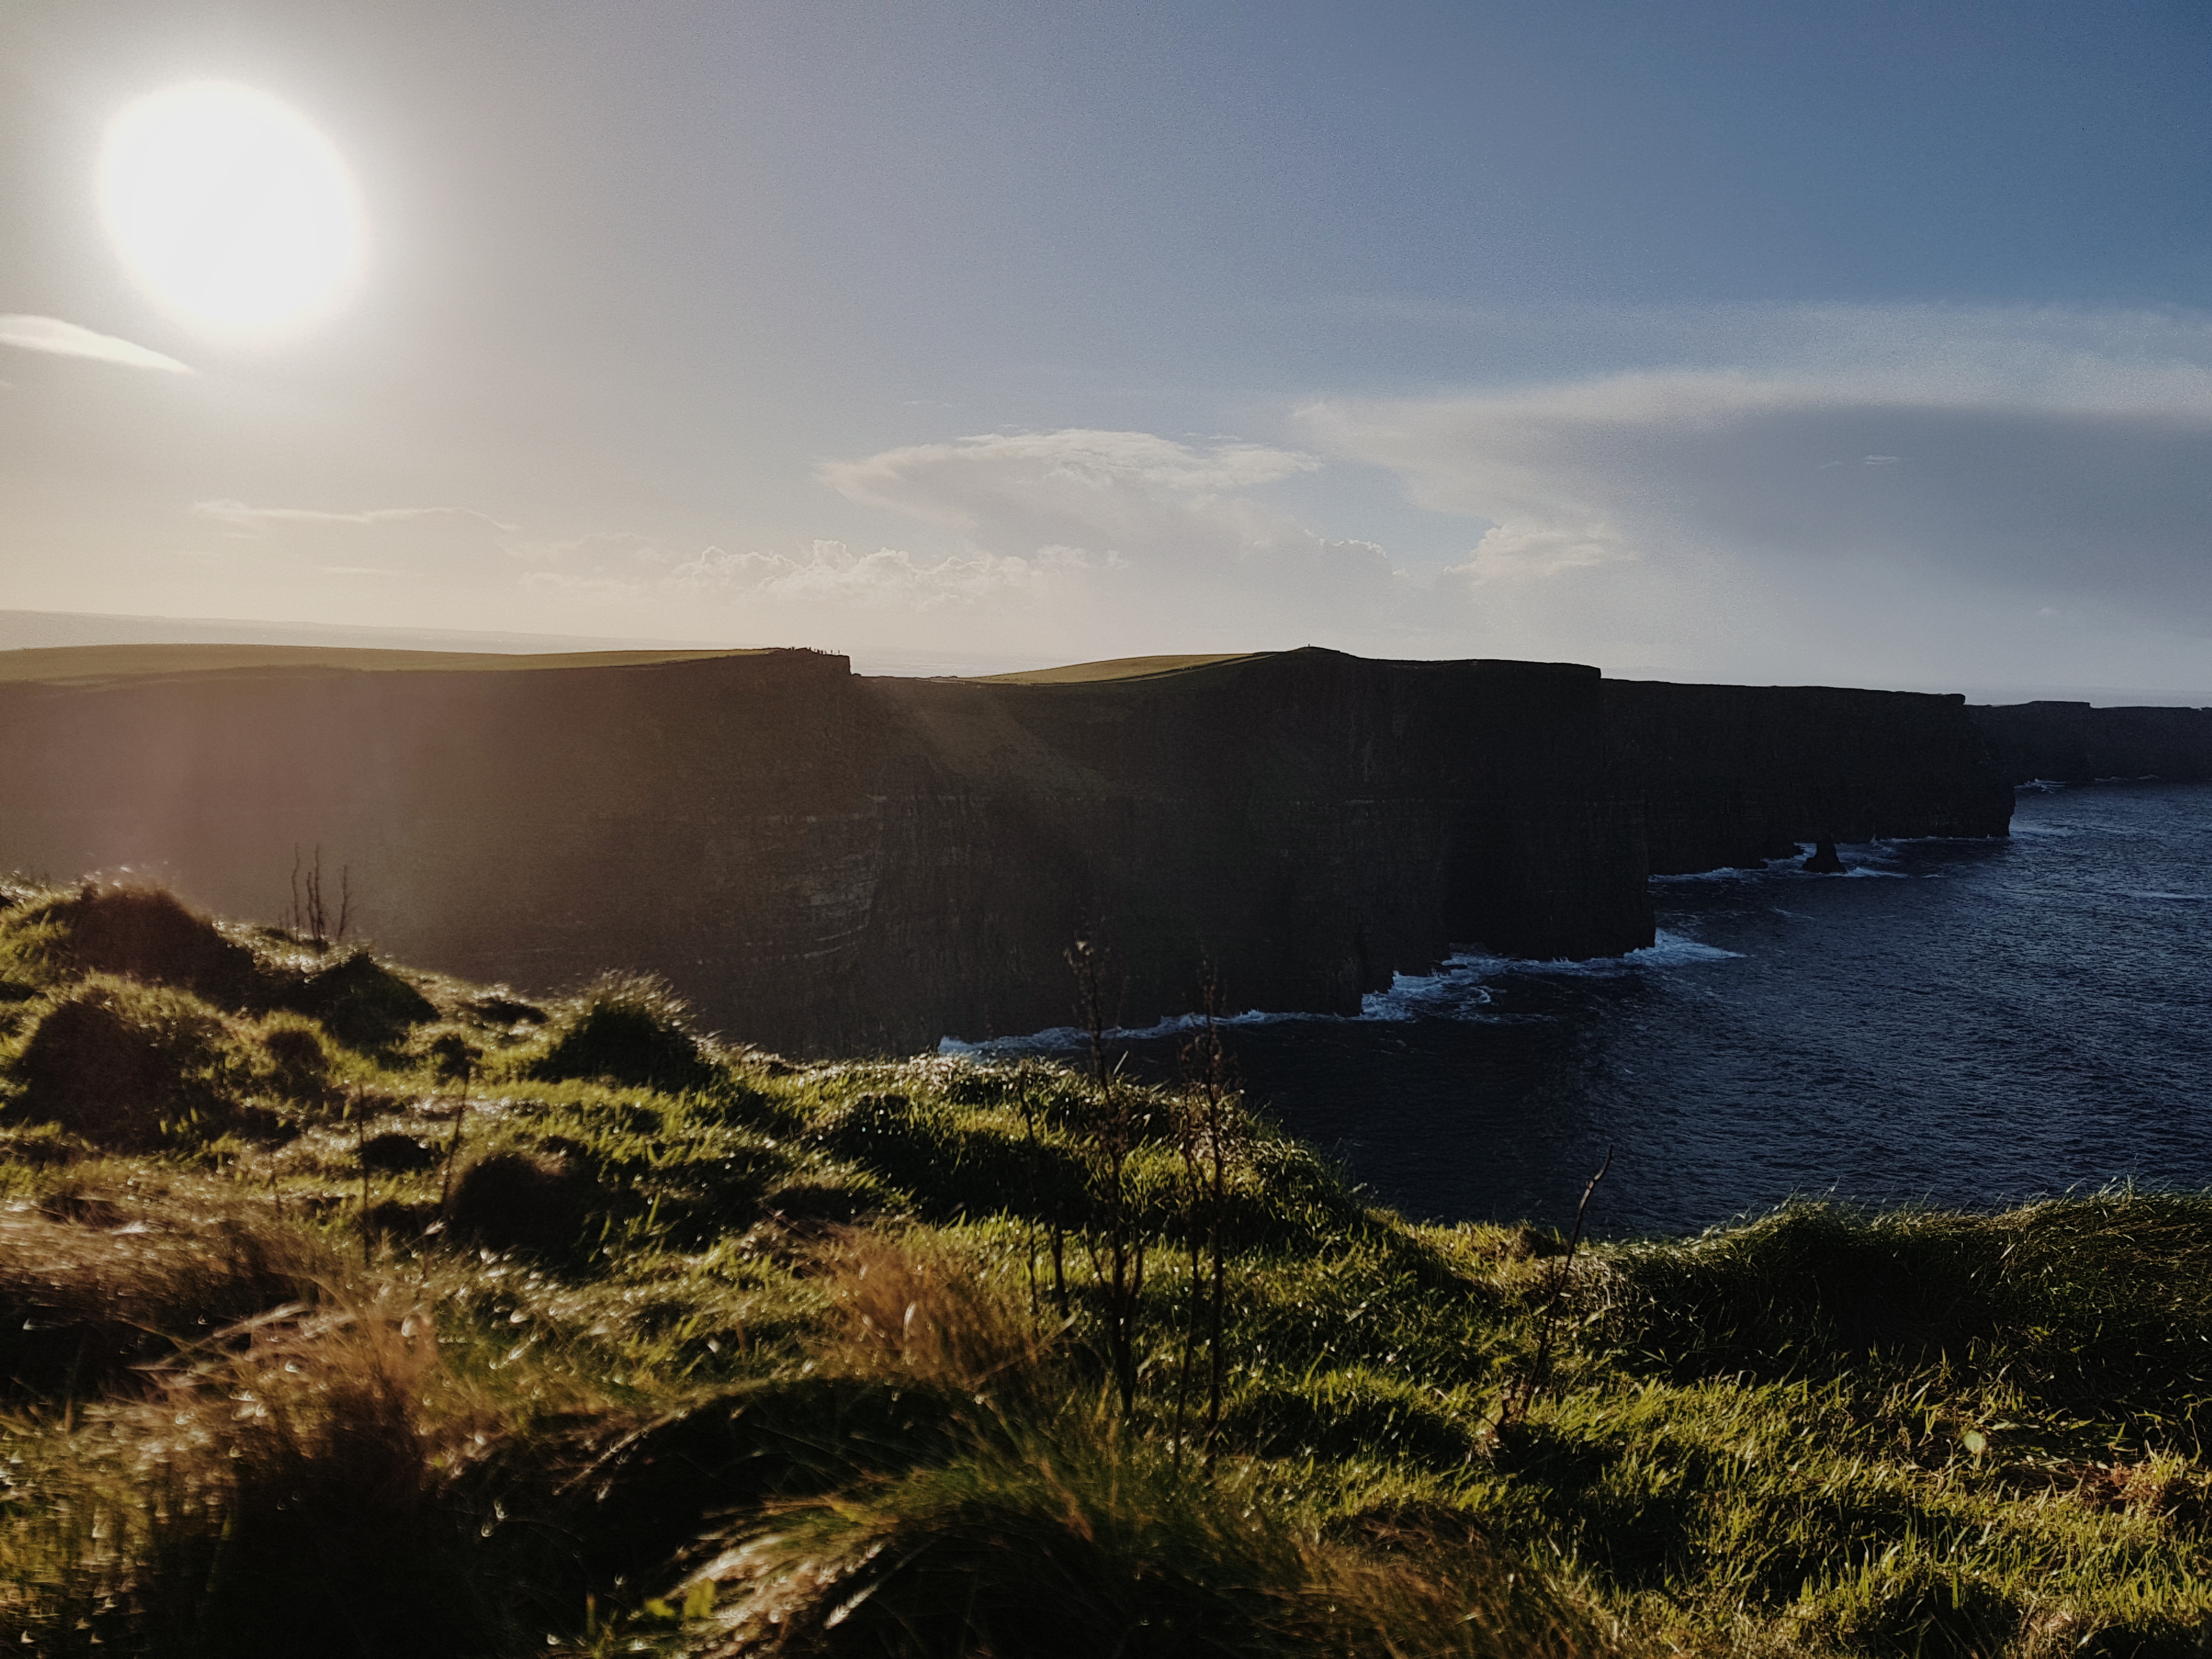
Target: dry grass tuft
<point>120,1063</point>
<point>519,1200</point>
<point>135,1067</point>
<point>83,1301</point>
<point>1091,1546</point>
<point>904,1306</point>
<point>628,1029</point>
<point>302,1484</point>
<point>360,1001</point>
<point>146,933</point>
<point>244,1460</point>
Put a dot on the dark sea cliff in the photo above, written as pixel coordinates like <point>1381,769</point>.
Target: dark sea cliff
<point>1962,1022</point>
<point>826,864</point>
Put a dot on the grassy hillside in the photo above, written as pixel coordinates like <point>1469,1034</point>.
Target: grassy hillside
<point>347,1310</point>
<point>105,662</point>
<point>1116,668</point>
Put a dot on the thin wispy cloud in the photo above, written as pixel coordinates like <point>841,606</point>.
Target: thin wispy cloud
<point>425,541</point>
<point>57,338</point>
<point>243,516</point>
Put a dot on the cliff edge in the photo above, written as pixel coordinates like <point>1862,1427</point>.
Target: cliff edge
<point>825,863</point>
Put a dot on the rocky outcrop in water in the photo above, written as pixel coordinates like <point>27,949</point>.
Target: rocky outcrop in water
<point>1823,860</point>
<point>828,863</point>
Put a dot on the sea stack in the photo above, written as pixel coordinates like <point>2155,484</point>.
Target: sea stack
<point>1824,861</point>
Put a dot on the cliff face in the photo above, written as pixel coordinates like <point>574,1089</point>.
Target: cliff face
<point>1307,823</point>
<point>1730,774</point>
<point>825,864</point>
<point>2072,742</point>
<point>532,825</point>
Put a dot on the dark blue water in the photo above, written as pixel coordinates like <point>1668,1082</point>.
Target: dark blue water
<point>1964,1022</point>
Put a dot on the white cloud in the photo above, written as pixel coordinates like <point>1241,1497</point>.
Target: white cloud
<point>1061,541</point>
<point>1523,547</point>
<point>1096,477</point>
<point>1158,522</point>
<point>2074,464</point>
<point>888,579</point>
<point>1054,541</point>
<point>61,339</point>
<point>261,520</point>
<point>1912,496</point>
<point>1132,493</point>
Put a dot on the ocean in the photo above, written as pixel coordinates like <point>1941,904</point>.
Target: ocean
<point>1962,1023</point>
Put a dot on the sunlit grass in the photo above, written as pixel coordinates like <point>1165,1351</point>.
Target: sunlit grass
<point>446,1323</point>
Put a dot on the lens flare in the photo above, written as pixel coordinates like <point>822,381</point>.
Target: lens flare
<point>233,211</point>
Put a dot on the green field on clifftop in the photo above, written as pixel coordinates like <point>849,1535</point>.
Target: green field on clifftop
<point>346,1309</point>
<point>105,662</point>
<point>1117,668</point>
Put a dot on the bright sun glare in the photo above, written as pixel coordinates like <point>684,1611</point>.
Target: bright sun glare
<point>231,208</point>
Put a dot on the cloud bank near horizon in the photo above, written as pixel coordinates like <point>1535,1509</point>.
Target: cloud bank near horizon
<point>1907,496</point>
<point>2095,491</point>
<point>1062,541</point>
<point>1922,487</point>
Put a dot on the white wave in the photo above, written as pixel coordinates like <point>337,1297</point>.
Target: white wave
<point>2186,899</point>
<point>1460,982</point>
<point>1863,858</point>
<point>1060,1039</point>
<point>2039,785</point>
<point>2031,831</point>
<point>1672,951</point>
<point>1457,987</point>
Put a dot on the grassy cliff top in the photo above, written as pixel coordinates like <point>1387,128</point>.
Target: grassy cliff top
<point>348,1308</point>
<point>102,662</point>
<point>1116,668</point>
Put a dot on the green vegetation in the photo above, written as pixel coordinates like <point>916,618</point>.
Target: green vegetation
<point>1116,668</point>
<point>349,1310</point>
<point>104,662</point>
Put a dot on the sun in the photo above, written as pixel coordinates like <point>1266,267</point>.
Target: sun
<point>232,210</point>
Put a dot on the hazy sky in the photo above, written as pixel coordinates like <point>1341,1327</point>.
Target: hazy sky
<point>1864,343</point>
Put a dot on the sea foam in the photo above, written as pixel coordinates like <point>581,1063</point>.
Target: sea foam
<point>1456,989</point>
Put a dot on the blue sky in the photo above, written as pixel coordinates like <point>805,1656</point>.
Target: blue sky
<point>1862,344</point>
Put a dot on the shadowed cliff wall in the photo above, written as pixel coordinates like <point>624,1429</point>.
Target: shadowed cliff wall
<point>1308,823</point>
<point>827,864</point>
<point>1730,774</point>
<point>824,863</point>
<point>2072,742</point>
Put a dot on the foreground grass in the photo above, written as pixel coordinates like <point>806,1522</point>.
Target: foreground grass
<point>347,1310</point>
